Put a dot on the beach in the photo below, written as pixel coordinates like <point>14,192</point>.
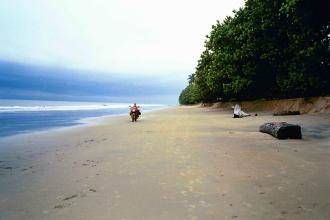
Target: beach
<point>176,163</point>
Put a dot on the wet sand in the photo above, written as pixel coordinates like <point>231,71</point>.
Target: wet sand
<point>179,163</point>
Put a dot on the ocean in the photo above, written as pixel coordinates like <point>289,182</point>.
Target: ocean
<point>24,116</point>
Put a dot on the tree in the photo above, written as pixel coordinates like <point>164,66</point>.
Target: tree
<point>268,49</point>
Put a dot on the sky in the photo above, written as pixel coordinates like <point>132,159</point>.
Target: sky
<point>130,38</point>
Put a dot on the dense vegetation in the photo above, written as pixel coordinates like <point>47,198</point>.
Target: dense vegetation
<point>267,49</point>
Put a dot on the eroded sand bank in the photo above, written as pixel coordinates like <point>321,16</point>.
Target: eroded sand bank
<point>180,163</point>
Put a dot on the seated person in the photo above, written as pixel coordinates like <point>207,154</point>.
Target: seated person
<point>135,108</point>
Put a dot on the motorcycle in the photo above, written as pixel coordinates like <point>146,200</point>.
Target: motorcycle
<point>135,113</point>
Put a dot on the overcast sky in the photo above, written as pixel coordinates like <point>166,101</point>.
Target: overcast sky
<point>130,37</point>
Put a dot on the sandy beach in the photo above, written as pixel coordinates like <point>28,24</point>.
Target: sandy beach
<point>178,163</point>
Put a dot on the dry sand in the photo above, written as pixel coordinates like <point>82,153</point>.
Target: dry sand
<point>179,163</point>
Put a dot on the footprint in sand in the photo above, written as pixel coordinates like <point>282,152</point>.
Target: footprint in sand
<point>89,141</point>
<point>70,197</point>
<point>6,167</point>
<point>66,199</point>
<point>92,163</point>
<point>59,206</point>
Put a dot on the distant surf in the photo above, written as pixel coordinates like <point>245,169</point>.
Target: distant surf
<point>23,116</point>
<point>66,107</point>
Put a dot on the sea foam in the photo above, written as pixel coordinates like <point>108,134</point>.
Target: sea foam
<point>68,107</point>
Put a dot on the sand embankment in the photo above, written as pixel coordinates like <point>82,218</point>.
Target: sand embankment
<point>304,105</point>
<point>180,163</point>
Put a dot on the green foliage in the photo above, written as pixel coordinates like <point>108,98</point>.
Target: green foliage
<point>187,96</point>
<point>268,49</point>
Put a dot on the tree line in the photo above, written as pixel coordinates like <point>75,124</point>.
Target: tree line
<point>267,49</point>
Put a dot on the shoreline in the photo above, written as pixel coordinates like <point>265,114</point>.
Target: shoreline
<point>175,163</point>
<point>81,123</point>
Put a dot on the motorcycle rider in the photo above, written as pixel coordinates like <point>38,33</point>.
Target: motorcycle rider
<point>135,108</point>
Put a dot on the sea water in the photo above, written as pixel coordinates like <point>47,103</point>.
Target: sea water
<point>23,116</point>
